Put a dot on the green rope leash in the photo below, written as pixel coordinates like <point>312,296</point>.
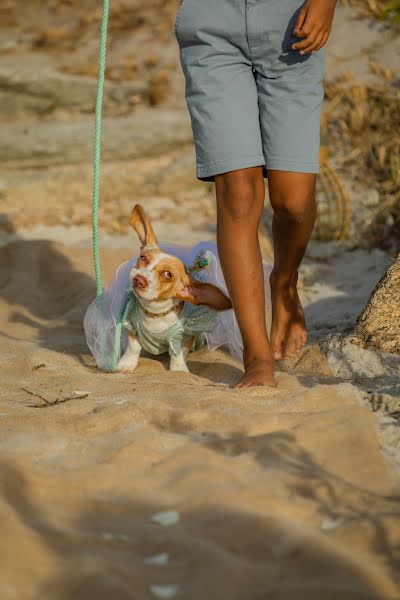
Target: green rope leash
<point>97,149</point>
<point>96,194</point>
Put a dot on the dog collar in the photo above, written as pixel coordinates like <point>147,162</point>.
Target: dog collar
<point>163,314</point>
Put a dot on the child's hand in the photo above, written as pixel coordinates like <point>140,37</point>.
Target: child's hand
<point>314,24</point>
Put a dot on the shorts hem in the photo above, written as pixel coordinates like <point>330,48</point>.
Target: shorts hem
<point>292,166</point>
<point>208,172</point>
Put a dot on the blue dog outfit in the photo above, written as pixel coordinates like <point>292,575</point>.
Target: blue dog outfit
<point>193,320</point>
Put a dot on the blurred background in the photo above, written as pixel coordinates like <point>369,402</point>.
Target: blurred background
<point>48,70</point>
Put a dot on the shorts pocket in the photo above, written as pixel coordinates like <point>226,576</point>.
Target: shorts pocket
<point>178,17</point>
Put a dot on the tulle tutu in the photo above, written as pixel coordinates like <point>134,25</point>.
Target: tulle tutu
<point>102,317</point>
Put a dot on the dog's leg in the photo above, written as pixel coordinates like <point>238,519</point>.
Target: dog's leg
<point>130,359</point>
<point>178,363</point>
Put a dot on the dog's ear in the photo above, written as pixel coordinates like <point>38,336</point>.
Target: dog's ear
<point>141,224</point>
<point>206,294</point>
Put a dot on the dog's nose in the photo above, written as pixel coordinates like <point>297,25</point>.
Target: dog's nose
<point>139,281</point>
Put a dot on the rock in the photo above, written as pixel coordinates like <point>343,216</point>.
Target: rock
<point>34,87</point>
<point>143,134</point>
<point>166,518</point>
<point>349,361</point>
<point>18,106</point>
<point>378,325</point>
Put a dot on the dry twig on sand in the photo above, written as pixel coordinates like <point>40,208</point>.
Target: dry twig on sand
<point>58,400</point>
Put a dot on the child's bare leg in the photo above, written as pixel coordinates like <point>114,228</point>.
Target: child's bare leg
<point>240,201</point>
<point>292,198</point>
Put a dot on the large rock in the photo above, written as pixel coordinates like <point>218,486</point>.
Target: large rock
<point>378,325</point>
<point>34,87</point>
<point>146,133</point>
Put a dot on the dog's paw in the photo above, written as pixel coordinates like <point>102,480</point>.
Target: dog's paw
<point>178,367</point>
<point>126,366</point>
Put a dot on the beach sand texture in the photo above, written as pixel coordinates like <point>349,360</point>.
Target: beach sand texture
<point>279,493</point>
<point>158,484</point>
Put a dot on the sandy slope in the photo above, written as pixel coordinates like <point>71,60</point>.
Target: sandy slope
<point>280,493</point>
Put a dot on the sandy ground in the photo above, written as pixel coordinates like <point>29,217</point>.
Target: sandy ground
<point>164,485</point>
<point>286,493</point>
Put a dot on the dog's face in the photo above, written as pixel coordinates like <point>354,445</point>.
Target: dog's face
<point>158,276</point>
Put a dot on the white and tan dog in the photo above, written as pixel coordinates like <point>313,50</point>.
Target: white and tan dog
<point>162,284</point>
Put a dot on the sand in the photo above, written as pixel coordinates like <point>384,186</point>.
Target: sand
<point>158,484</point>
<point>279,493</point>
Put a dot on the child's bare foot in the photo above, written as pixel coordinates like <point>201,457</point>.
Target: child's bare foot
<point>288,331</point>
<point>259,371</point>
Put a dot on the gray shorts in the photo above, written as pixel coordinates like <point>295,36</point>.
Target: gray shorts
<point>252,99</point>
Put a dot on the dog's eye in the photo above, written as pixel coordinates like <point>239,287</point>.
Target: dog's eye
<point>144,259</point>
<point>167,274</point>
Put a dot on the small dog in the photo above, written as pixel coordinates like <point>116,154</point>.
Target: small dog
<point>169,309</point>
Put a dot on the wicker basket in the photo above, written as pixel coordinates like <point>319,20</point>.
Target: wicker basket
<point>333,203</point>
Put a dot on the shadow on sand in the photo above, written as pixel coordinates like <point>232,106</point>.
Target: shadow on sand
<point>215,552</point>
<point>47,293</point>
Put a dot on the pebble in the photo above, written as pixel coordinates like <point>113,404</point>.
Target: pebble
<point>331,524</point>
<point>164,591</point>
<point>115,536</point>
<point>168,517</point>
<point>158,559</point>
